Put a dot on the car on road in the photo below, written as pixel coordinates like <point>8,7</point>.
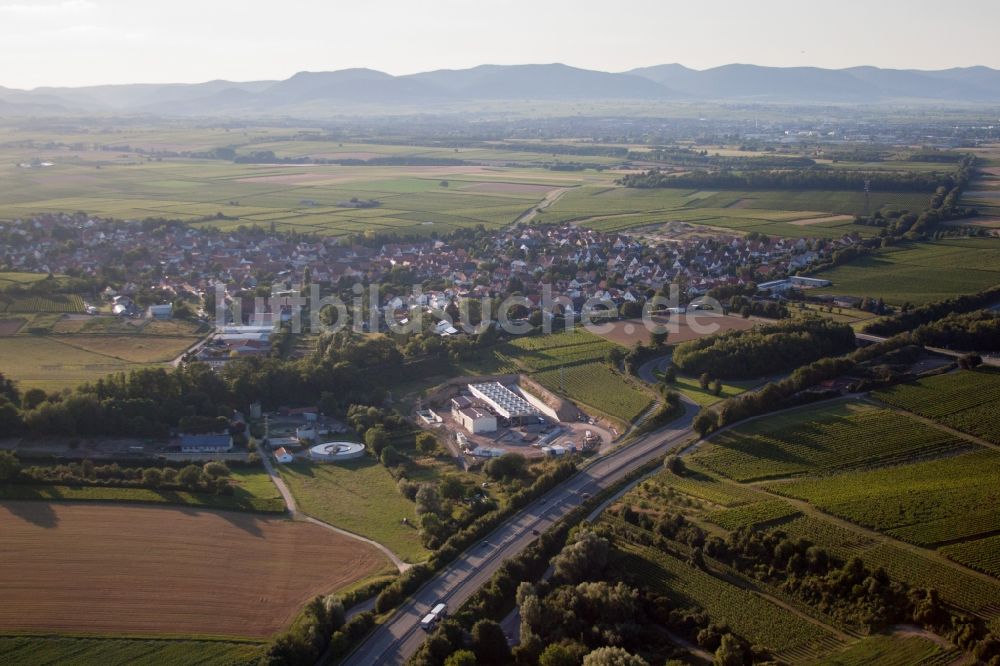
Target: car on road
<point>585,495</point>
<point>535,532</point>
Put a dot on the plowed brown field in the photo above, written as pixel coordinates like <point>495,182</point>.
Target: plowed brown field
<point>150,570</point>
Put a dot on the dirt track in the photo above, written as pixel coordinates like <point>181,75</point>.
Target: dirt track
<point>130,569</point>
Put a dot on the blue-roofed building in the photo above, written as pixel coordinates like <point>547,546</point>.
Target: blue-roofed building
<point>212,443</point>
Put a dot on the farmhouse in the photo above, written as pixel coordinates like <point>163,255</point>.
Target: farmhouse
<point>477,420</point>
<point>213,443</point>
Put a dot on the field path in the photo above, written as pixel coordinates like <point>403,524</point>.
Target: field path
<point>550,198</point>
<point>294,512</point>
<point>934,424</point>
<point>811,510</point>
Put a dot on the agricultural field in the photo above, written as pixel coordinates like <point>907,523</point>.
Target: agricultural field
<point>749,615</point>
<point>22,303</point>
<point>790,213</point>
<point>359,496</point>
<point>702,484</point>
<point>980,554</point>
<point>965,400</point>
<point>811,439</point>
<point>928,502</point>
<point>55,351</point>
<point>53,651</point>
<point>149,571</point>
<point>919,273</point>
<point>571,364</point>
<point>690,326</point>
<point>300,197</point>
<point>753,514</point>
<point>891,651</point>
<point>253,491</point>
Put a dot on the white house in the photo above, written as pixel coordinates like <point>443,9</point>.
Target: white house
<point>477,421</point>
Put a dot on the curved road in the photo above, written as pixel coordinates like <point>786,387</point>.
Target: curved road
<point>398,638</point>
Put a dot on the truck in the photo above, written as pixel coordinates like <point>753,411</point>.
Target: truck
<point>430,620</point>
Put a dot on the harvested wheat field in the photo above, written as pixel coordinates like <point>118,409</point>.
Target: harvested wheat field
<point>679,328</point>
<point>148,570</point>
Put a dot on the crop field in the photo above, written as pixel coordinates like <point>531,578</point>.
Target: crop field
<point>981,554</point>
<point>54,362</point>
<point>749,615</point>
<point>571,364</point>
<point>927,502</point>
<point>691,326</point>
<point>303,197</point>
<point>955,585</point>
<point>890,651</point>
<point>817,439</point>
<point>597,386</point>
<point>700,483</point>
<point>359,496</point>
<point>921,273</point>
<point>753,514</point>
<point>965,400</point>
<point>54,651</point>
<point>773,212</point>
<point>842,542</point>
<point>51,303</point>
<point>130,570</point>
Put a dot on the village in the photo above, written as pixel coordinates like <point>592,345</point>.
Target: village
<point>147,269</point>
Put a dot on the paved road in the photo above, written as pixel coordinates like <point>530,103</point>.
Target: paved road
<point>396,640</point>
<point>987,358</point>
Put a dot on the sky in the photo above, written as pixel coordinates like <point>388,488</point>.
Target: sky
<point>87,42</point>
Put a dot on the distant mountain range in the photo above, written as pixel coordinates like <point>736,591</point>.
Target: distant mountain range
<point>338,92</point>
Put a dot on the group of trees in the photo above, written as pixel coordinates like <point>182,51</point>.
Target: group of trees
<point>975,331</point>
<point>211,477</point>
<point>854,595</point>
<point>925,314</point>
<point>763,350</point>
<point>810,178</point>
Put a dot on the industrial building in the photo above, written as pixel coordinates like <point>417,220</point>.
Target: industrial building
<point>477,420</point>
<point>504,402</point>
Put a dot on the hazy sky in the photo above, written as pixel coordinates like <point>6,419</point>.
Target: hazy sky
<point>82,42</point>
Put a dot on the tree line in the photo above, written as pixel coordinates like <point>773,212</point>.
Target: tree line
<point>813,178</point>
<point>763,350</point>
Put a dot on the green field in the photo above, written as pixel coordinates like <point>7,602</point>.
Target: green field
<point>288,197</point>
<point>965,400</point>
<point>770,212</point>
<point>56,651</point>
<point>571,364</point>
<point>814,439</point>
<point>928,502</point>
<point>749,615</point>
<point>980,554</point>
<point>890,651</point>
<point>919,273</point>
<point>253,491</point>
<point>753,514</point>
<point>359,496</point>
<point>54,351</point>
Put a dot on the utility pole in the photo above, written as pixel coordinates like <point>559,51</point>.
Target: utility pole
<point>868,191</point>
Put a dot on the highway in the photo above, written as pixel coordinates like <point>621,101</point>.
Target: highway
<point>988,359</point>
<point>395,641</point>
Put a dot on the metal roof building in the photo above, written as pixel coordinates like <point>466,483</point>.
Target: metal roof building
<point>505,402</point>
